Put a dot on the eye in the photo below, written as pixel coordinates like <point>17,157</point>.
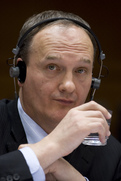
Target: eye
<point>52,70</point>
<point>80,70</point>
<point>52,67</point>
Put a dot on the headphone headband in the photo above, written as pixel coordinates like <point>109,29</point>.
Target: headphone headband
<point>20,42</point>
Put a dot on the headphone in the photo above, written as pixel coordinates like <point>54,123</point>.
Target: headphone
<point>19,70</point>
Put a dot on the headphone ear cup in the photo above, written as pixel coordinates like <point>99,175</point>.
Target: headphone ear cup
<point>19,71</point>
<point>95,83</point>
<point>22,71</point>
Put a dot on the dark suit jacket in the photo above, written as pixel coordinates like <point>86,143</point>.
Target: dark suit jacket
<point>101,163</point>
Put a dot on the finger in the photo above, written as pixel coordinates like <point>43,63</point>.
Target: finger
<point>93,116</point>
<point>92,113</point>
<point>95,107</point>
<point>100,128</point>
<point>22,146</point>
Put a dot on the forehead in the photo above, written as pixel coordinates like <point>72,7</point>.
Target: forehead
<point>62,36</point>
<point>63,29</point>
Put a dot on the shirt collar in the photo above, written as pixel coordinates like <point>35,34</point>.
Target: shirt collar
<point>34,132</point>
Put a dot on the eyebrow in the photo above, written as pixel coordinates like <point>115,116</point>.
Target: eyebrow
<point>87,61</point>
<point>53,57</point>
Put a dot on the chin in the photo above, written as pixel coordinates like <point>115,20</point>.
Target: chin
<point>58,117</point>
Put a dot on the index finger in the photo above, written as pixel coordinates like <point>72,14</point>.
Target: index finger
<point>92,105</point>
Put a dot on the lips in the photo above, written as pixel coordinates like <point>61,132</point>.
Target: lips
<point>64,101</point>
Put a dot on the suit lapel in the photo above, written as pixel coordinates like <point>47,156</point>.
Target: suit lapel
<point>87,158</point>
<point>81,159</point>
<point>17,133</point>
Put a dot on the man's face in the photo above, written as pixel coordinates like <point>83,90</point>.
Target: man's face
<point>59,73</point>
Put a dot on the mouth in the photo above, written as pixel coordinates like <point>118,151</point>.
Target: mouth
<point>65,101</point>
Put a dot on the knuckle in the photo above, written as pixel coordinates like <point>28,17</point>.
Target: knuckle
<point>73,113</point>
<point>100,126</point>
<point>99,114</point>
<point>93,104</point>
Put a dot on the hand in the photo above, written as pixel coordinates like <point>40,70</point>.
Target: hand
<point>50,177</point>
<point>71,131</point>
<point>61,170</point>
<point>79,123</point>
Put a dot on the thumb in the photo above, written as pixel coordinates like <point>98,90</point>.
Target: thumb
<point>22,146</point>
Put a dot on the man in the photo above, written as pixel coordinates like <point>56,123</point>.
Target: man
<point>55,62</point>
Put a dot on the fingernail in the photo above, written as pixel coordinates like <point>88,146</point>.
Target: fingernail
<point>109,115</point>
<point>109,133</point>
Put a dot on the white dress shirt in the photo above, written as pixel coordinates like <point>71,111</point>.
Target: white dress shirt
<point>34,134</point>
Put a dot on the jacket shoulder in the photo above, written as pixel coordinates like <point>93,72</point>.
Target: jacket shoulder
<point>5,106</point>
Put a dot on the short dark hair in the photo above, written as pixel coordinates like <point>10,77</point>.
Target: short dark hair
<point>23,52</point>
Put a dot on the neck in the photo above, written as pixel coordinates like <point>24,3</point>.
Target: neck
<point>44,122</point>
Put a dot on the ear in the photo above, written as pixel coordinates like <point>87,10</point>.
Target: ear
<point>21,66</point>
<point>19,59</point>
<point>19,83</point>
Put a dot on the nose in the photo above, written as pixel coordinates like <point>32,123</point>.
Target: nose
<point>67,84</point>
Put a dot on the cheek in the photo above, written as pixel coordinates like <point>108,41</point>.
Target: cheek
<point>39,83</point>
<point>83,90</point>
<point>32,84</point>
<point>42,89</point>
<point>45,90</point>
<point>88,86</point>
